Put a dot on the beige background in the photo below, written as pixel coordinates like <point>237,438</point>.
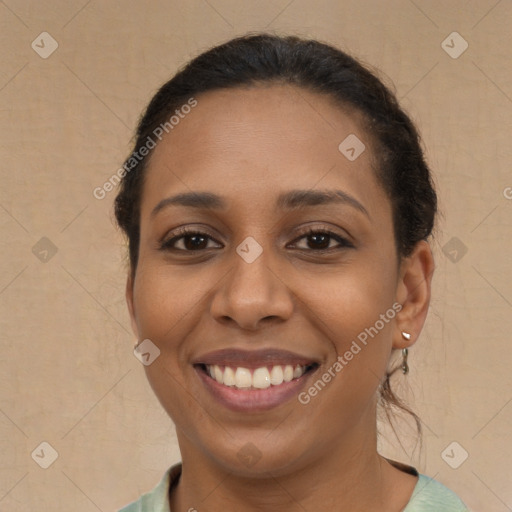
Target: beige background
<point>68,376</point>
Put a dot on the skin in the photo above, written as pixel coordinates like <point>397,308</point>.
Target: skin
<point>248,146</point>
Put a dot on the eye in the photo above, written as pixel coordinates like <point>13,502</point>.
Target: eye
<point>322,240</point>
<point>188,240</point>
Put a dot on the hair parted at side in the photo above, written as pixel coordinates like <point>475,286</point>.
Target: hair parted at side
<point>264,58</point>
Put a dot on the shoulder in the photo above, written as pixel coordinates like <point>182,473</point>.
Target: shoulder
<point>156,500</point>
<point>432,496</point>
<point>429,495</point>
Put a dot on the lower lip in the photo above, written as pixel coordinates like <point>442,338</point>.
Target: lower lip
<point>253,400</point>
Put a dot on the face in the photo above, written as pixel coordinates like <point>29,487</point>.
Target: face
<point>266,258</point>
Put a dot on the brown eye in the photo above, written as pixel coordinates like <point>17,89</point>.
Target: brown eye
<point>320,240</point>
<point>194,242</point>
<point>188,241</point>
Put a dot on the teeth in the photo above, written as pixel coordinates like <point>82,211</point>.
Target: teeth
<point>276,375</point>
<point>229,377</point>
<point>260,378</point>
<point>243,378</point>
<point>218,374</point>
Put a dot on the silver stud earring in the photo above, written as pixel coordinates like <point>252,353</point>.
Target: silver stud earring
<point>406,335</point>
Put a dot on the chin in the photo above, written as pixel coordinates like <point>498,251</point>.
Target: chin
<point>253,456</point>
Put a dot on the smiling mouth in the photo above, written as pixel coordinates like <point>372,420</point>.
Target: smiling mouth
<point>247,379</point>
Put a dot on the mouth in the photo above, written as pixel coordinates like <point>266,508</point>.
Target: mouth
<point>263,377</point>
<point>254,381</point>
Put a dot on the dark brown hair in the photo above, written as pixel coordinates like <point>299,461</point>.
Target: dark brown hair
<point>322,68</point>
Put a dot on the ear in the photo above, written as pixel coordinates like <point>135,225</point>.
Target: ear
<point>131,305</point>
<point>413,293</point>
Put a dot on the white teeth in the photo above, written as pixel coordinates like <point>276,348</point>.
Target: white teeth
<point>229,377</point>
<point>276,376</point>
<point>260,378</point>
<point>218,374</point>
<point>288,373</point>
<point>243,378</point>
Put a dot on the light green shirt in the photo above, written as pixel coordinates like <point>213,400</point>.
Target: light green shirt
<point>429,495</point>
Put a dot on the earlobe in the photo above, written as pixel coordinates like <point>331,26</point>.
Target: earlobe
<point>131,305</point>
<point>413,293</point>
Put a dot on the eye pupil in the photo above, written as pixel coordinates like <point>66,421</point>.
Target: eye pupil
<point>192,242</point>
<point>320,240</point>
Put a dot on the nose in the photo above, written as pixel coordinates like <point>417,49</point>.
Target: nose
<point>252,295</point>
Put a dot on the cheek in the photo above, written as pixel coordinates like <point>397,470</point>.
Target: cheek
<point>166,300</point>
<point>353,298</point>
<point>168,304</point>
<point>345,388</point>
<point>354,309</point>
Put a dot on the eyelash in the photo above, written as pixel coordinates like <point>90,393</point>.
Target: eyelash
<point>181,233</point>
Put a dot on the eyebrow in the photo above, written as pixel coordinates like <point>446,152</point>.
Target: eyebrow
<point>287,200</point>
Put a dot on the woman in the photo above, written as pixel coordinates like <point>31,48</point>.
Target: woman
<point>278,208</point>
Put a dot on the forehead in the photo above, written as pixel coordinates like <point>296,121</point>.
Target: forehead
<point>252,143</point>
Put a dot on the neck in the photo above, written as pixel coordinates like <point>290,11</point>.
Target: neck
<point>349,476</point>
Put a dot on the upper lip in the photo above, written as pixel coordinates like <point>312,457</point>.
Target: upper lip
<point>253,358</point>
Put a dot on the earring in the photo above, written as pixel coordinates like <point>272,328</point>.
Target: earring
<point>405,353</point>
<point>405,366</point>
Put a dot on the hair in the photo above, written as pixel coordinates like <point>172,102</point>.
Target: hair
<point>266,59</point>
